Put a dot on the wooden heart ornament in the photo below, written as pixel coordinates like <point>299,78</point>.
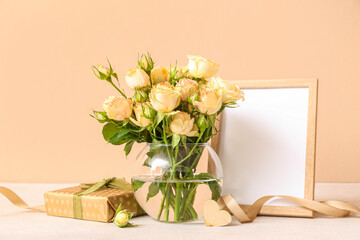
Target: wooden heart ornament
<point>215,217</point>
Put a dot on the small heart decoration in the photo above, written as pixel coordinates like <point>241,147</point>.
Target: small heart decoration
<point>215,217</point>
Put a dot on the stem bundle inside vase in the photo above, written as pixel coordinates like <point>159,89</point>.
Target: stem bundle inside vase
<point>179,191</point>
<point>173,109</point>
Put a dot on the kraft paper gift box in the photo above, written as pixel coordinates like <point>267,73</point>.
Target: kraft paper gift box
<point>99,205</point>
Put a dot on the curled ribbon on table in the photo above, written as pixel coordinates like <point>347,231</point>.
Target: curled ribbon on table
<point>330,208</point>
<point>114,182</point>
<point>17,201</point>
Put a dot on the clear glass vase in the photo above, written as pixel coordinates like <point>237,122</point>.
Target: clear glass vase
<point>174,182</point>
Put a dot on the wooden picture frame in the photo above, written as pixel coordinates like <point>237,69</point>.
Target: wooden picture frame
<point>309,178</point>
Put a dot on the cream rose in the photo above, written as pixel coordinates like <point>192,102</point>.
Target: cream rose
<point>159,74</point>
<point>210,101</point>
<point>137,78</point>
<point>230,91</point>
<point>200,67</point>
<point>164,97</point>
<point>187,87</point>
<point>141,120</point>
<point>118,108</point>
<point>183,124</point>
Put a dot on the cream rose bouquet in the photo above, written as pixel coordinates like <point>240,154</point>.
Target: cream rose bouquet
<point>173,106</point>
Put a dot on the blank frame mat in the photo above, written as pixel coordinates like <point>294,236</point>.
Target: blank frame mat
<point>263,145</point>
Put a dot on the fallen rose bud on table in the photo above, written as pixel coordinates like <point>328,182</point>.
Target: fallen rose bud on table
<point>122,218</point>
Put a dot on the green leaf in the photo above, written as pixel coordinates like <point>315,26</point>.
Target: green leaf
<point>153,190</point>
<point>213,185</point>
<point>215,189</point>
<point>109,130</point>
<point>175,140</point>
<point>130,215</point>
<point>159,118</point>
<point>150,154</point>
<point>118,209</point>
<point>131,225</point>
<point>212,119</point>
<point>189,175</point>
<point>120,137</point>
<point>204,176</point>
<point>136,184</point>
<point>115,76</point>
<point>222,109</point>
<point>128,147</point>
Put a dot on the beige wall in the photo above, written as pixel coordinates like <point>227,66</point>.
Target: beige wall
<point>47,88</point>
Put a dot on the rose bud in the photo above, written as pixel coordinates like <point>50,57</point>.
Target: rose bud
<point>146,63</point>
<point>202,123</point>
<point>102,72</point>
<point>99,116</point>
<point>193,98</point>
<point>149,111</point>
<point>122,218</point>
<point>141,95</point>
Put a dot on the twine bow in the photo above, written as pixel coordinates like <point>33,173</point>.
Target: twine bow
<point>114,182</point>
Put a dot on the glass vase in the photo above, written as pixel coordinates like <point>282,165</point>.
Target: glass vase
<point>175,181</point>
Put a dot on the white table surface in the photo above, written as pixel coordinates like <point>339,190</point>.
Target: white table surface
<point>18,223</point>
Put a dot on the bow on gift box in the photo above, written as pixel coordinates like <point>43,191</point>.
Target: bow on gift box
<point>114,182</point>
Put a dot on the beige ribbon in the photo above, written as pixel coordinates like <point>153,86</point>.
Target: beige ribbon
<point>17,201</point>
<point>330,208</point>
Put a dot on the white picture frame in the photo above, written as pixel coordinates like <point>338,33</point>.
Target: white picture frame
<point>267,144</point>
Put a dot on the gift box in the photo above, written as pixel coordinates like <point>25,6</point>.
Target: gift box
<point>95,202</point>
